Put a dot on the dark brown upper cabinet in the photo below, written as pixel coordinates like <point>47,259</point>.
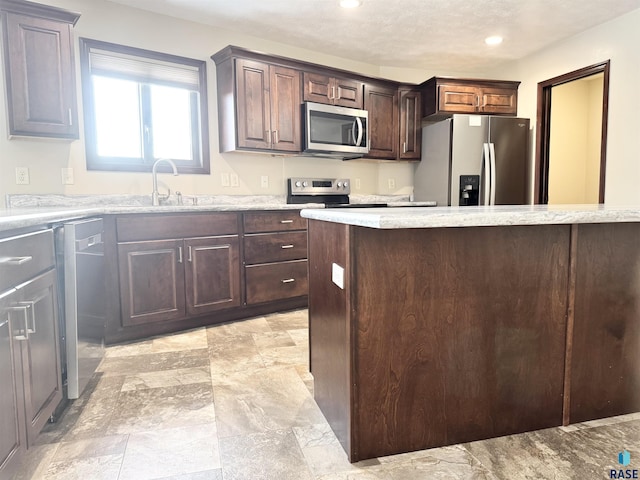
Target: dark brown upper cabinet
<point>381,101</point>
<point>258,106</point>
<point>332,90</point>
<point>410,147</point>
<point>39,69</point>
<point>446,96</point>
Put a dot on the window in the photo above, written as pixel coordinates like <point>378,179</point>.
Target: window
<point>140,106</point>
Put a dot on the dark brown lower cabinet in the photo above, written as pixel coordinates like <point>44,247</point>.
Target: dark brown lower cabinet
<point>164,280</point>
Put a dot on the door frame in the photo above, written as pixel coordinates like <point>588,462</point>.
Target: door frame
<point>543,127</point>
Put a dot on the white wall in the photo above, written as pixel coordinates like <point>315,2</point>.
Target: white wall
<point>617,41</point>
<point>102,20</point>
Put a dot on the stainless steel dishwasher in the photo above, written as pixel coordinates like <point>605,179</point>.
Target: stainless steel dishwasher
<point>82,250</point>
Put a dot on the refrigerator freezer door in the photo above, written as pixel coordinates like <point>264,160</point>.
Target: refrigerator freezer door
<point>470,132</point>
<point>431,175</point>
<point>510,137</point>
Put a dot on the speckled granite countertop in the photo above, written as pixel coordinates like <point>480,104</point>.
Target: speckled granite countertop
<point>30,210</point>
<point>502,215</point>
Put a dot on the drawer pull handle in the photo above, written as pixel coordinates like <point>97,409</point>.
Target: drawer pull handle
<point>286,246</point>
<point>288,280</point>
<point>15,260</point>
<point>286,221</point>
<point>23,333</point>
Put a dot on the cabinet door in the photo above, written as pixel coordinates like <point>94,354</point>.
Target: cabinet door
<point>41,352</point>
<point>212,273</point>
<point>40,77</point>
<point>382,105</point>
<point>348,93</point>
<point>285,109</point>
<point>410,125</point>
<point>457,99</point>
<point>499,101</point>
<point>317,88</point>
<point>13,440</point>
<point>151,281</point>
<point>253,104</point>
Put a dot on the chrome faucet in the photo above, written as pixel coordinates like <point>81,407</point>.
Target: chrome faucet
<point>155,195</point>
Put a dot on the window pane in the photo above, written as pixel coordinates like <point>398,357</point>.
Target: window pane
<point>117,107</point>
<point>171,120</point>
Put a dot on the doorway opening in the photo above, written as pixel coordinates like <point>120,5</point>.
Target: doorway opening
<point>571,138</point>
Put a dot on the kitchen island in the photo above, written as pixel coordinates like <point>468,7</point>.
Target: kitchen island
<point>436,326</point>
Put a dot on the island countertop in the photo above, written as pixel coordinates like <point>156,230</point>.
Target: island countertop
<point>480,216</point>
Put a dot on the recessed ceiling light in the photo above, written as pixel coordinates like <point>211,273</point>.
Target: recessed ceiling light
<point>493,40</point>
<point>350,3</point>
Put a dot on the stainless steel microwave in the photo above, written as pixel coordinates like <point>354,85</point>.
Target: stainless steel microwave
<point>335,131</point>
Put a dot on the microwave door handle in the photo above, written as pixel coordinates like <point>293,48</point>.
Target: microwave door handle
<point>486,188</point>
<point>353,132</point>
<point>360,132</point>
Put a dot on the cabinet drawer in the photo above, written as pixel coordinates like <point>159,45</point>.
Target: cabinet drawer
<point>24,256</point>
<point>275,281</point>
<point>274,221</point>
<point>160,227</point>
<point>275,247</point>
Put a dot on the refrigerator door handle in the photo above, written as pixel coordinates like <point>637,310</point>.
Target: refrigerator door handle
<point>492,156</point>
<point>486,187</point>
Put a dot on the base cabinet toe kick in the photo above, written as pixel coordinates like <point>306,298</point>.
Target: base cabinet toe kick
<point>437,336</point>
<point>171,272</point>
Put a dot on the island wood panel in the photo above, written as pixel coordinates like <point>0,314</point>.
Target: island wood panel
<point>605,370</point>
<point>330,327</point>
<point>460,334</point>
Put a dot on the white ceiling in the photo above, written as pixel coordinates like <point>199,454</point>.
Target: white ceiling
<point>447,35</point>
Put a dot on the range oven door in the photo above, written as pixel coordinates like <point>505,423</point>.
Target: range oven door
<point>335,130</point>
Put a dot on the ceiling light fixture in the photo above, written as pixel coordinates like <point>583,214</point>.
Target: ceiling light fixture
<point>350,3</point>
<point>493,40</point>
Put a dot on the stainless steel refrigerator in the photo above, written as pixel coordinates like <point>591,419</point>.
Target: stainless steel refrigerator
<point>474,160</point>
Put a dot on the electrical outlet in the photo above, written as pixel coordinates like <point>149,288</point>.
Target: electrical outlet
<point>67,176</point>
<point>22,176</point>
<point>358,184</point>
<point>224,179</point>
<point>264,181</point>
<point>234,180</point>
<point>392,183</point>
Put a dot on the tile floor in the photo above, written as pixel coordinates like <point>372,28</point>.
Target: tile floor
<point>235,402</point>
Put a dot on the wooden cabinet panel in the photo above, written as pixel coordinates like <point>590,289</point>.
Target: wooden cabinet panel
<point>151,281</point>
<point>499,100</point>
<point>28,255</point>
<point>410,125</point>
<point>257,222</point>
<point>446,96</point>
<point>212,274</point>
<point>41,353</point>
<point>40,71</point>
<point>382,105</point>
<point>285,109</point>
<point>332,90</point>
<point>13,442</point>
<point>605,361</point>
<point>275,281</point>
<point>158,227</point>
<point>458,99</point>
<point>275,247</point>
<point>253,104</point>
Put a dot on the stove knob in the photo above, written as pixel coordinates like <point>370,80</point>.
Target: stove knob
<point>298,184</point>
<point>346,184</point>
<point>339,184</point>
<point>305,184</point>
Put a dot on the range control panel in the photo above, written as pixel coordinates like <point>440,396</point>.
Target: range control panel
<point>319,186</point>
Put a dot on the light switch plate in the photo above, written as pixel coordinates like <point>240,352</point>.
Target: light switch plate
<point>224,179</point>
<point>234,180</point>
